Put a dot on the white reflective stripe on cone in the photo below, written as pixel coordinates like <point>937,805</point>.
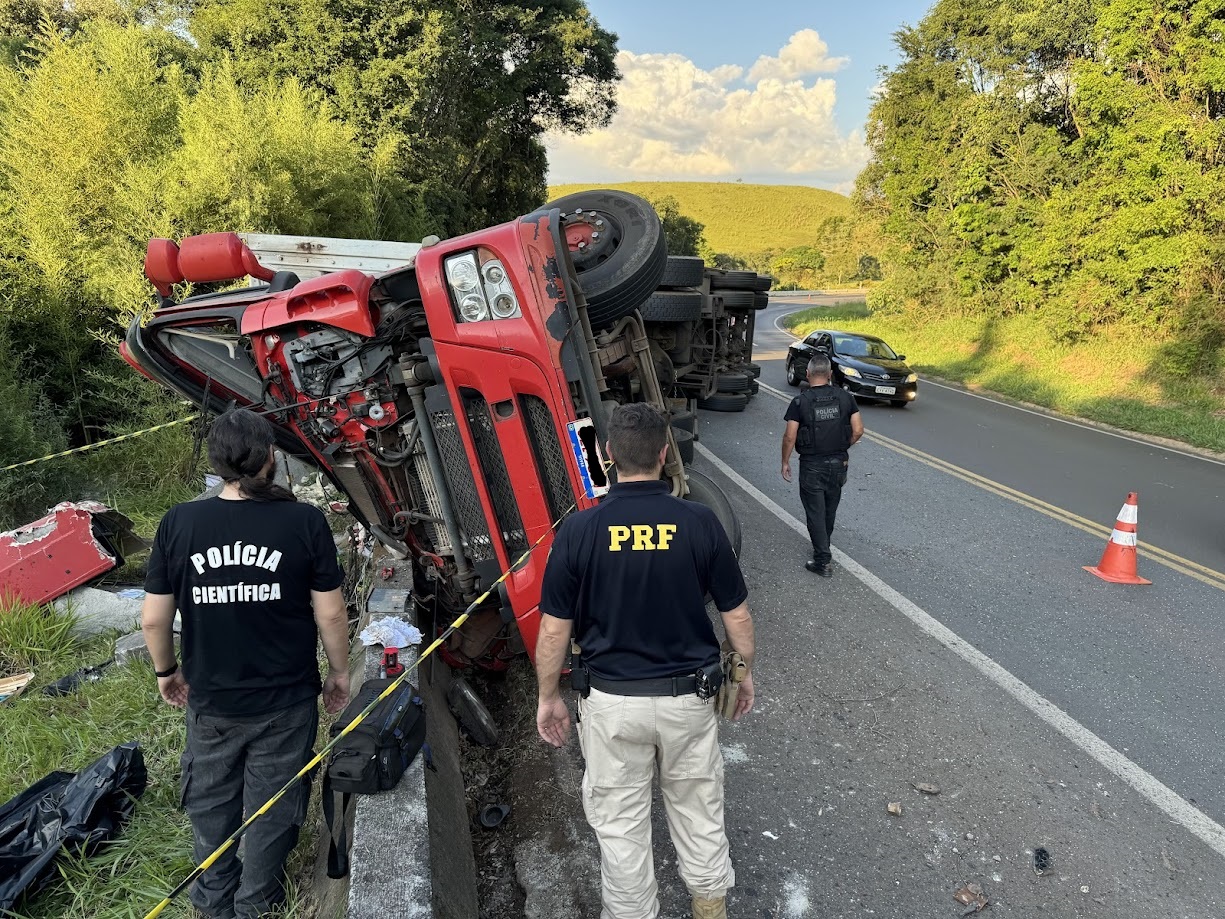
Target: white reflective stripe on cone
<point>1123,539</point>
<point>1129,514</point>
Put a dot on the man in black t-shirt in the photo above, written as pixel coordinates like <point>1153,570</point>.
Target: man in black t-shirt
<point>629,580</point>
<point>823,423</point>
<point>255,577</point>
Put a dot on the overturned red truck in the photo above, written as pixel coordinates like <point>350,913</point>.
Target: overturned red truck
<point>459,401</point>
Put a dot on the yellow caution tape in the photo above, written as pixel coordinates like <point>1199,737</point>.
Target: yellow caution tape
<point>101,443</point>
<point>318,758</point>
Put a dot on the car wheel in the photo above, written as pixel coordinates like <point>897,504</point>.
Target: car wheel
<point>900,403</point>
<point>703,490</point>
<point>733,382</point>
<point>683,271</point>
<point>724,402</point>
<point>672,306</point>
<point>794,377</point>
<point>617,246</point>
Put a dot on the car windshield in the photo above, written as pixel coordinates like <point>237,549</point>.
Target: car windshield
<point>854,346</point>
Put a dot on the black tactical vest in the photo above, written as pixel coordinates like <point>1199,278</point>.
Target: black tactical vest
<point>825,426</point>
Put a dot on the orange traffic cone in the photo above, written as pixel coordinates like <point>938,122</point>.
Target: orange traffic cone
<point>1118,562</point>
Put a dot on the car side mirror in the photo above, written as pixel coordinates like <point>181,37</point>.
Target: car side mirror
<point>901,357</point>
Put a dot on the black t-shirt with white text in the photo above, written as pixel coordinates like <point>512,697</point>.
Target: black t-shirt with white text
<point>635,572</point>
<point>242,573</point>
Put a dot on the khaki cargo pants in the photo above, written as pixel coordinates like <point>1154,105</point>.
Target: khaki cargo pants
<point>624,740</point>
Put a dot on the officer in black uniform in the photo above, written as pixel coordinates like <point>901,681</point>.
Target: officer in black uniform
<point>823,422</point>
<point>628,579</point>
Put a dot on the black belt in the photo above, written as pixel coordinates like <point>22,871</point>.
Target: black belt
<point>663,686</point>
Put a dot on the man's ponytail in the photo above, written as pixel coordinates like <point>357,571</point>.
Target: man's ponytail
<point>239,449</point>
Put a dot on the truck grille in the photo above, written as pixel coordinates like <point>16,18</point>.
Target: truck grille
<point>493,467</point>
<point>468,512</point>
<point>549,458</point>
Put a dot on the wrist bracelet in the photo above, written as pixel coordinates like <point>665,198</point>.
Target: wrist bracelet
<point>171,672</point>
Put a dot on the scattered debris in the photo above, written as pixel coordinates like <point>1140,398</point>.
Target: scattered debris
<point>72,682</point>
<point>97,611</point>
<point>70,546</point>
<point>492,815</point>
<point>895,808</point>
<point>926,787</point>
<point>1168,863</point>
<point>971,895</point>
<point>768,834</point>
<point>1042,861</point>
<point>11,686</point>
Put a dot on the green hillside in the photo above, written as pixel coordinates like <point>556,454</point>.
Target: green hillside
<point>739,218</point>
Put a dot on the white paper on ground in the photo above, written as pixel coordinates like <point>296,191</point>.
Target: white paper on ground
<point>390,632</point>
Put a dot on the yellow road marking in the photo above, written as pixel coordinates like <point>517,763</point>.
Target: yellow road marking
<point>1202,573</point>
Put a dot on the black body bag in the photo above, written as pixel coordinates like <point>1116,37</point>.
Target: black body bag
<point>369,759</point>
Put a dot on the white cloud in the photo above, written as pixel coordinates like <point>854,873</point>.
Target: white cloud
<point>804,54</point>
<point>676,121</point>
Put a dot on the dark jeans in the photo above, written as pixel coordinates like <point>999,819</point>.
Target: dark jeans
<point>821,481</point>
<point>231,767</point>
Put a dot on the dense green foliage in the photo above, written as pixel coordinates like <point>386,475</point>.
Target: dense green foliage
<point>684,235</point>
<point>392,120</point>
<point>1063,161</point>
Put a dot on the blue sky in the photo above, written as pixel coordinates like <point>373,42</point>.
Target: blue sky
<point>723,90</point>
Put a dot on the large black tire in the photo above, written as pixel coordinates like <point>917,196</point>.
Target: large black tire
<point>761,301</point>
<point>753,370</point>
<point>685,420</point>
<point>754,387</point>
<point>764,283</point>
<point>683,271</point>
<point>704,490</point>
<point>735,299</point>
<point>620,268</point>
<point>672,306</point>
<point>724,402</point>
<point>733,382</point>
<point>684,444</point>
<point>735,280</point>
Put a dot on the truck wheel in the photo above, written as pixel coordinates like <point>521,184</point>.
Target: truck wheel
<point>704,490</point>
<point>685,420</point>
<point>683,271</point>
<point>617,245</point>
<point>673,306</point>
<point>761,301</point>
<point>725,402</point>
<point>684,445</point>
<point>735,280</point>
<point>735,299</point>
<point>763,283</point>
<point>753,370</point>
<point>733,382</point>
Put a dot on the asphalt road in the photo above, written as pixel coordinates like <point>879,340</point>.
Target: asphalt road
<point>961,645</point>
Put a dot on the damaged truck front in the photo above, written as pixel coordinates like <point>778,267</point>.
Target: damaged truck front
<point>459,400</point>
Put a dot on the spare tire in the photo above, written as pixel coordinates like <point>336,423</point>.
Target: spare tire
<point>683,271</point>
<point>704,490</point>
<point>617,246</point>
<point>672,306</point>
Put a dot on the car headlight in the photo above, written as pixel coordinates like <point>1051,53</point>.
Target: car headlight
<point>913,378</point>
<point>481,287</point>
<point>851,372</point>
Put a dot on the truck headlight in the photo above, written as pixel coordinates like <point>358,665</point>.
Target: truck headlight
<point>480,287</point>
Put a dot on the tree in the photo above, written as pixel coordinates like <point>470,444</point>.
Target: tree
<point>683,235</point>
<point>462,91</point>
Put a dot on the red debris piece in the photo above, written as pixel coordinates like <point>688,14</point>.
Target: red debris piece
<point>71,546</point>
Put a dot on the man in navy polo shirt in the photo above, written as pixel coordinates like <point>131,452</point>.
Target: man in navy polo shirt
<point>629,579</point>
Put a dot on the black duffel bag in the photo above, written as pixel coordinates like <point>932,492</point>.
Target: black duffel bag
<point>370,758</point>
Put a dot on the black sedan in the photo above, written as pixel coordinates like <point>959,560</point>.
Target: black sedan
<point>863,365</point>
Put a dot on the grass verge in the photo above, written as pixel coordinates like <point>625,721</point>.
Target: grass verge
<point>1123,378</point>
<point>130,875</point>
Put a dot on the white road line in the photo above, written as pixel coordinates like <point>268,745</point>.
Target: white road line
<point>1174,805</point>
<point>1029,411</point>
